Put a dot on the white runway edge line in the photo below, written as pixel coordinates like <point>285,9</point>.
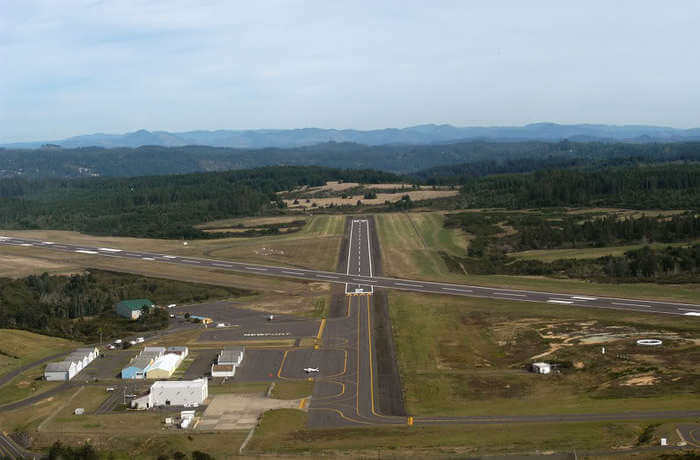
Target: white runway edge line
<point>560,301</point>
<point>147,258</point>
<point>169,257</point>
<point>631,304</point>
<point>409,285</point>
<point>457,290</point>
<point>85,251</point>
<point>256,268</point>
<point>580,297</point>
<point>692,313</point>
<point>109,250</point>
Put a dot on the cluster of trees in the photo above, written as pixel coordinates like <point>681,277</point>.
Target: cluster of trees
<point>496,235</point>
<point>87,451</point>
<point>159,206</point>
<point>669,186</point>
<point>82,306</point>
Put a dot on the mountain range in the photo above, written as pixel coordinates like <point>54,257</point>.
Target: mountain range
<point>422,134</point>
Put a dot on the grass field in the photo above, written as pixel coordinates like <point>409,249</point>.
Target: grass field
<point>548,255</point>
<point>18,348</point>
<point>283,432</point>
<point>292,389</point>
<point>411,243</point>
<point>468,357</point>
<point>381,198</point>
<point>26,384</point>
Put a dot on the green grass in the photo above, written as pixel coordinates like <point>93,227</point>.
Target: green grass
<point>462,356</point>
<point>549,255</point>
<point>325,225</point>
<point>239,387</point>
<point>283,432</point>
<point>292,389</point>
<point>18,348</point>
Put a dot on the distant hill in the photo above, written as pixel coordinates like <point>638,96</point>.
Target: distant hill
<point>422,134</point>
<point>481,156</point>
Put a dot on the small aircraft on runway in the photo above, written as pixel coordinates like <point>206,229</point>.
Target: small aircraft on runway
<point>309,370</point>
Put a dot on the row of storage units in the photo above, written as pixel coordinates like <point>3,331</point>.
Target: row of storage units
<point>71,365</point>
<point>155,363</point>
<point>228,360</point>
<point>186,393</point>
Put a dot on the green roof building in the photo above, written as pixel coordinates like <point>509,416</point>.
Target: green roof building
<point>132,308</point>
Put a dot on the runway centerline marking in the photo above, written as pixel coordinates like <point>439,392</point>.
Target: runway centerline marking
<point>631,304</point>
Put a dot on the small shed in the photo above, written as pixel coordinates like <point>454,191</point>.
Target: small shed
<point>541,368</point>
<point>132,308</point>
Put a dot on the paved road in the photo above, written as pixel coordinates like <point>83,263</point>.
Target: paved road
<point>359,276</point>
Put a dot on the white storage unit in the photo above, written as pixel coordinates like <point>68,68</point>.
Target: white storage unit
<point>60,371</point>
<point>541,368</point>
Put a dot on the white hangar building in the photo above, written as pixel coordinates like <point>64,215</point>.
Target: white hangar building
<point>187,393</point>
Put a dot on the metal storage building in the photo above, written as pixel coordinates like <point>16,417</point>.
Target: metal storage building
<point>132,308</point>
<point>188,393</point>
<point>231,355</point>
<point>137,367</point>
<point>164,366</point>
<point>60,371</point>
<point>541,368</point>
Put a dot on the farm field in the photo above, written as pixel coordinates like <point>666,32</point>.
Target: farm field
<point>470,357</point>
<point>18,348</point>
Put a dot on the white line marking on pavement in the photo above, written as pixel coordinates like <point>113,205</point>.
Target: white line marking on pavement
<point>48,242</point>
<point>409,285</point>
<point>580,297</point>
<point>631,304</point>
<point>457,290</point>
<point>132,254</point>
<point>170,257</point>
<point>293,273</point>
<point>256,268</point>
<point>560,301</point>
<point>148,258</point>
<point>109,250</point>
<point>85,251</point>
<point>363,281</point>
<point>222,265</point>
<point>692,313</point>
<point>510,293</point>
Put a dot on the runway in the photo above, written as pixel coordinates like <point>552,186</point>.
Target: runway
<point>359,276</point>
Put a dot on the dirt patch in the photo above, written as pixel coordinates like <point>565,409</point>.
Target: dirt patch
<point>642,380</point>
<point>240,411</point>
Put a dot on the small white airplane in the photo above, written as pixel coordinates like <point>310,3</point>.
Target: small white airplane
<point>309,370</point>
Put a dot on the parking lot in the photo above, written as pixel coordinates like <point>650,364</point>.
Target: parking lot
<point>109,366</point>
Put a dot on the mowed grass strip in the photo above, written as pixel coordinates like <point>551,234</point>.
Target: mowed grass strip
<point>18,348</point>
<point>283,431</point>
<point>549,255</point>
<point>292,390</point>
<point>411,242</point>
<point>453,361</point>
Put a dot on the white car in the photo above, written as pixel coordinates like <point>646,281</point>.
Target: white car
<point>310,370</point>
<point>140,340</point>
<point>132,342</point>
<point>172,305</point>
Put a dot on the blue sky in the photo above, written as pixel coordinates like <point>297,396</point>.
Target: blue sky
<point>75,67</point>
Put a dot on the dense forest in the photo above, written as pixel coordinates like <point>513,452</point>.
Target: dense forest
<point>159,206</point>
<point>666,186</point>
<point>81,306</point>
<point>498,235</point>
<point>474,158</point>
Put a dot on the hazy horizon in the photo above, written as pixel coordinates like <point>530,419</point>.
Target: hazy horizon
<point>86,67</point>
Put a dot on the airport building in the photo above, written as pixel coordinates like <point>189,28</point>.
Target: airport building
<point>187,393</point>
<point>227,362</point>
<point>132,308</point>
<point>71,365</point>
<point>138,366</point>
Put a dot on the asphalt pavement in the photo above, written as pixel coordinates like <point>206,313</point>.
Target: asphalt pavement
<point>359,276</point>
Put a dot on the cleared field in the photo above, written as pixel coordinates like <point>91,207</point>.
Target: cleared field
<point>283,432</point>
<point>548,255</point>
<point>411,242</point>
<point>469,357</point>
<point>18,348</point>
<point>416,195</point>
<point>292,389</point>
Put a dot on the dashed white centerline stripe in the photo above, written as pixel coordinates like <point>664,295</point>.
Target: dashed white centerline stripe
<point>327,276</point>
<point>222,265</point>
<point>292,273</point>
<point>457,290</point>
<point>560,301</point>
<point>580,297</point>
<point>256,268</point>
<point>409,285</point>
<point>631,304</point>
<point>148,258</point>
<point>86,251</point>
<point>511,294</point>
